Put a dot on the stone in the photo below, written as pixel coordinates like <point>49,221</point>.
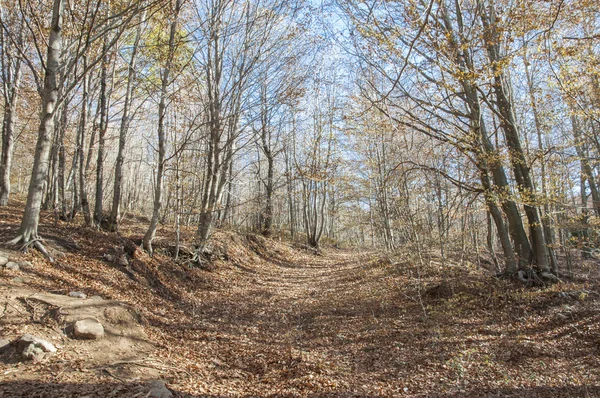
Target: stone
<point>158,389</point>
<point>4,345</point>
<point>28,339</point>
<point>3,261</point>
<point>123,262</point>
<point>11,265</point>
<point>33,352</point>
<point>562,317</point>
<point>26,265</point>
<point>80,295</point>
<point>88,329</point>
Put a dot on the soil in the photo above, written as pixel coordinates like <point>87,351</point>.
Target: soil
<point>268,319</point>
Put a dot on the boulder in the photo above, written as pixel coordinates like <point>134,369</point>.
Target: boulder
<point>88,329</point>
<point>11,265</point>
<point>3,260</point>
<point>80,295</point>
<point>33,352</point>
<point>28,339</point>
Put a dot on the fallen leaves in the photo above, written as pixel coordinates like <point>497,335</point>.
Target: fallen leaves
<point>270,320</point>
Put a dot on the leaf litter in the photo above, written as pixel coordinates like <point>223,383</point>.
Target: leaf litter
<point>272,320</point>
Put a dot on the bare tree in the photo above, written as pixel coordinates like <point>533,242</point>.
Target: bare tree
<point>165,79</point>
<point>11,78</point>
<point>28,230</point>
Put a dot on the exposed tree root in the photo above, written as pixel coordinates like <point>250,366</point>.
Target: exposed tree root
<point>35,242</point>
<point>38,245</point>
<point>531,277</point>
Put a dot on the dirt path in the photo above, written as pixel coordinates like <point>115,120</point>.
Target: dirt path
<point>352,325</point>
<point>315,323</point>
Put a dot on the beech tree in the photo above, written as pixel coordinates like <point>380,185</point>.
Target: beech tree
<point>165,82</point>
<point>11,79</point>
<point>28,230</point>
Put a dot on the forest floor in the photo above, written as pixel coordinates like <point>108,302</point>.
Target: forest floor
<point>268,319</point>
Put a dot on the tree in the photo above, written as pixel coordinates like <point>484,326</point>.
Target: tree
<point>28,231</point>
<point>11,79</point>
<point>125,122</point>
<point>166,81</point>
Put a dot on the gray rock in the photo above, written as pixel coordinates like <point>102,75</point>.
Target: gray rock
<point>11,265</point>
<point>26,265</point>
<point>88,329</point>
<point>562,316</point>
<point>4,345</point>
<point>158,389</point>
<point>123,262</point>
<point>33,352</point>
<point>3,261</point>
<point>80,295</point>
<point>28,339</point>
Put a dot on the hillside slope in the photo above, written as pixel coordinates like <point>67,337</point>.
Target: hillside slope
<point>270,320</point>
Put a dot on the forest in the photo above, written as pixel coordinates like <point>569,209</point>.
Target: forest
<point>287,198</point>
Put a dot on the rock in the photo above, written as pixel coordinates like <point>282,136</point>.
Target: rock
<point>33,352</point>
<point>123,262</point>
<point>88,329</point>
<point>26,265</point>
<point>28,339</point>
<point>4,345</point>
<point>11,265</point>
<point>3,261</point>
<point>567,308</point>
<point>80,295</point>
<point>96,298</point>
<point>158,389</point>
<point>58,254</point>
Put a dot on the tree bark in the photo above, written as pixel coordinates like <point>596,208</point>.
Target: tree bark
<point>29,224</point>
<point>98,209</point>
<point>508,125</point>
<point>11,91</point>
<point>162,110</point>
<point>125,120</point>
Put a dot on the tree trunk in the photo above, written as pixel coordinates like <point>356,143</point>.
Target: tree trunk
<point>29,224</point>
<point>62,200</point>
<point>116,202</point>
<point>517,156</point>
<point>11,90</point>
<point>546,220</point>
<point>98,210</point>
<point>290,195</point>
<point>85,205</point>
<point>162,110</point>
<point>486,153</point>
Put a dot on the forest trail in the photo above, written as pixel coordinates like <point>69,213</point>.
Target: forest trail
<point>269,319</point>
<point>307,323</point>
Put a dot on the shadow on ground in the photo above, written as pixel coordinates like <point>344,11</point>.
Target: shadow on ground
<point>63,390</point>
